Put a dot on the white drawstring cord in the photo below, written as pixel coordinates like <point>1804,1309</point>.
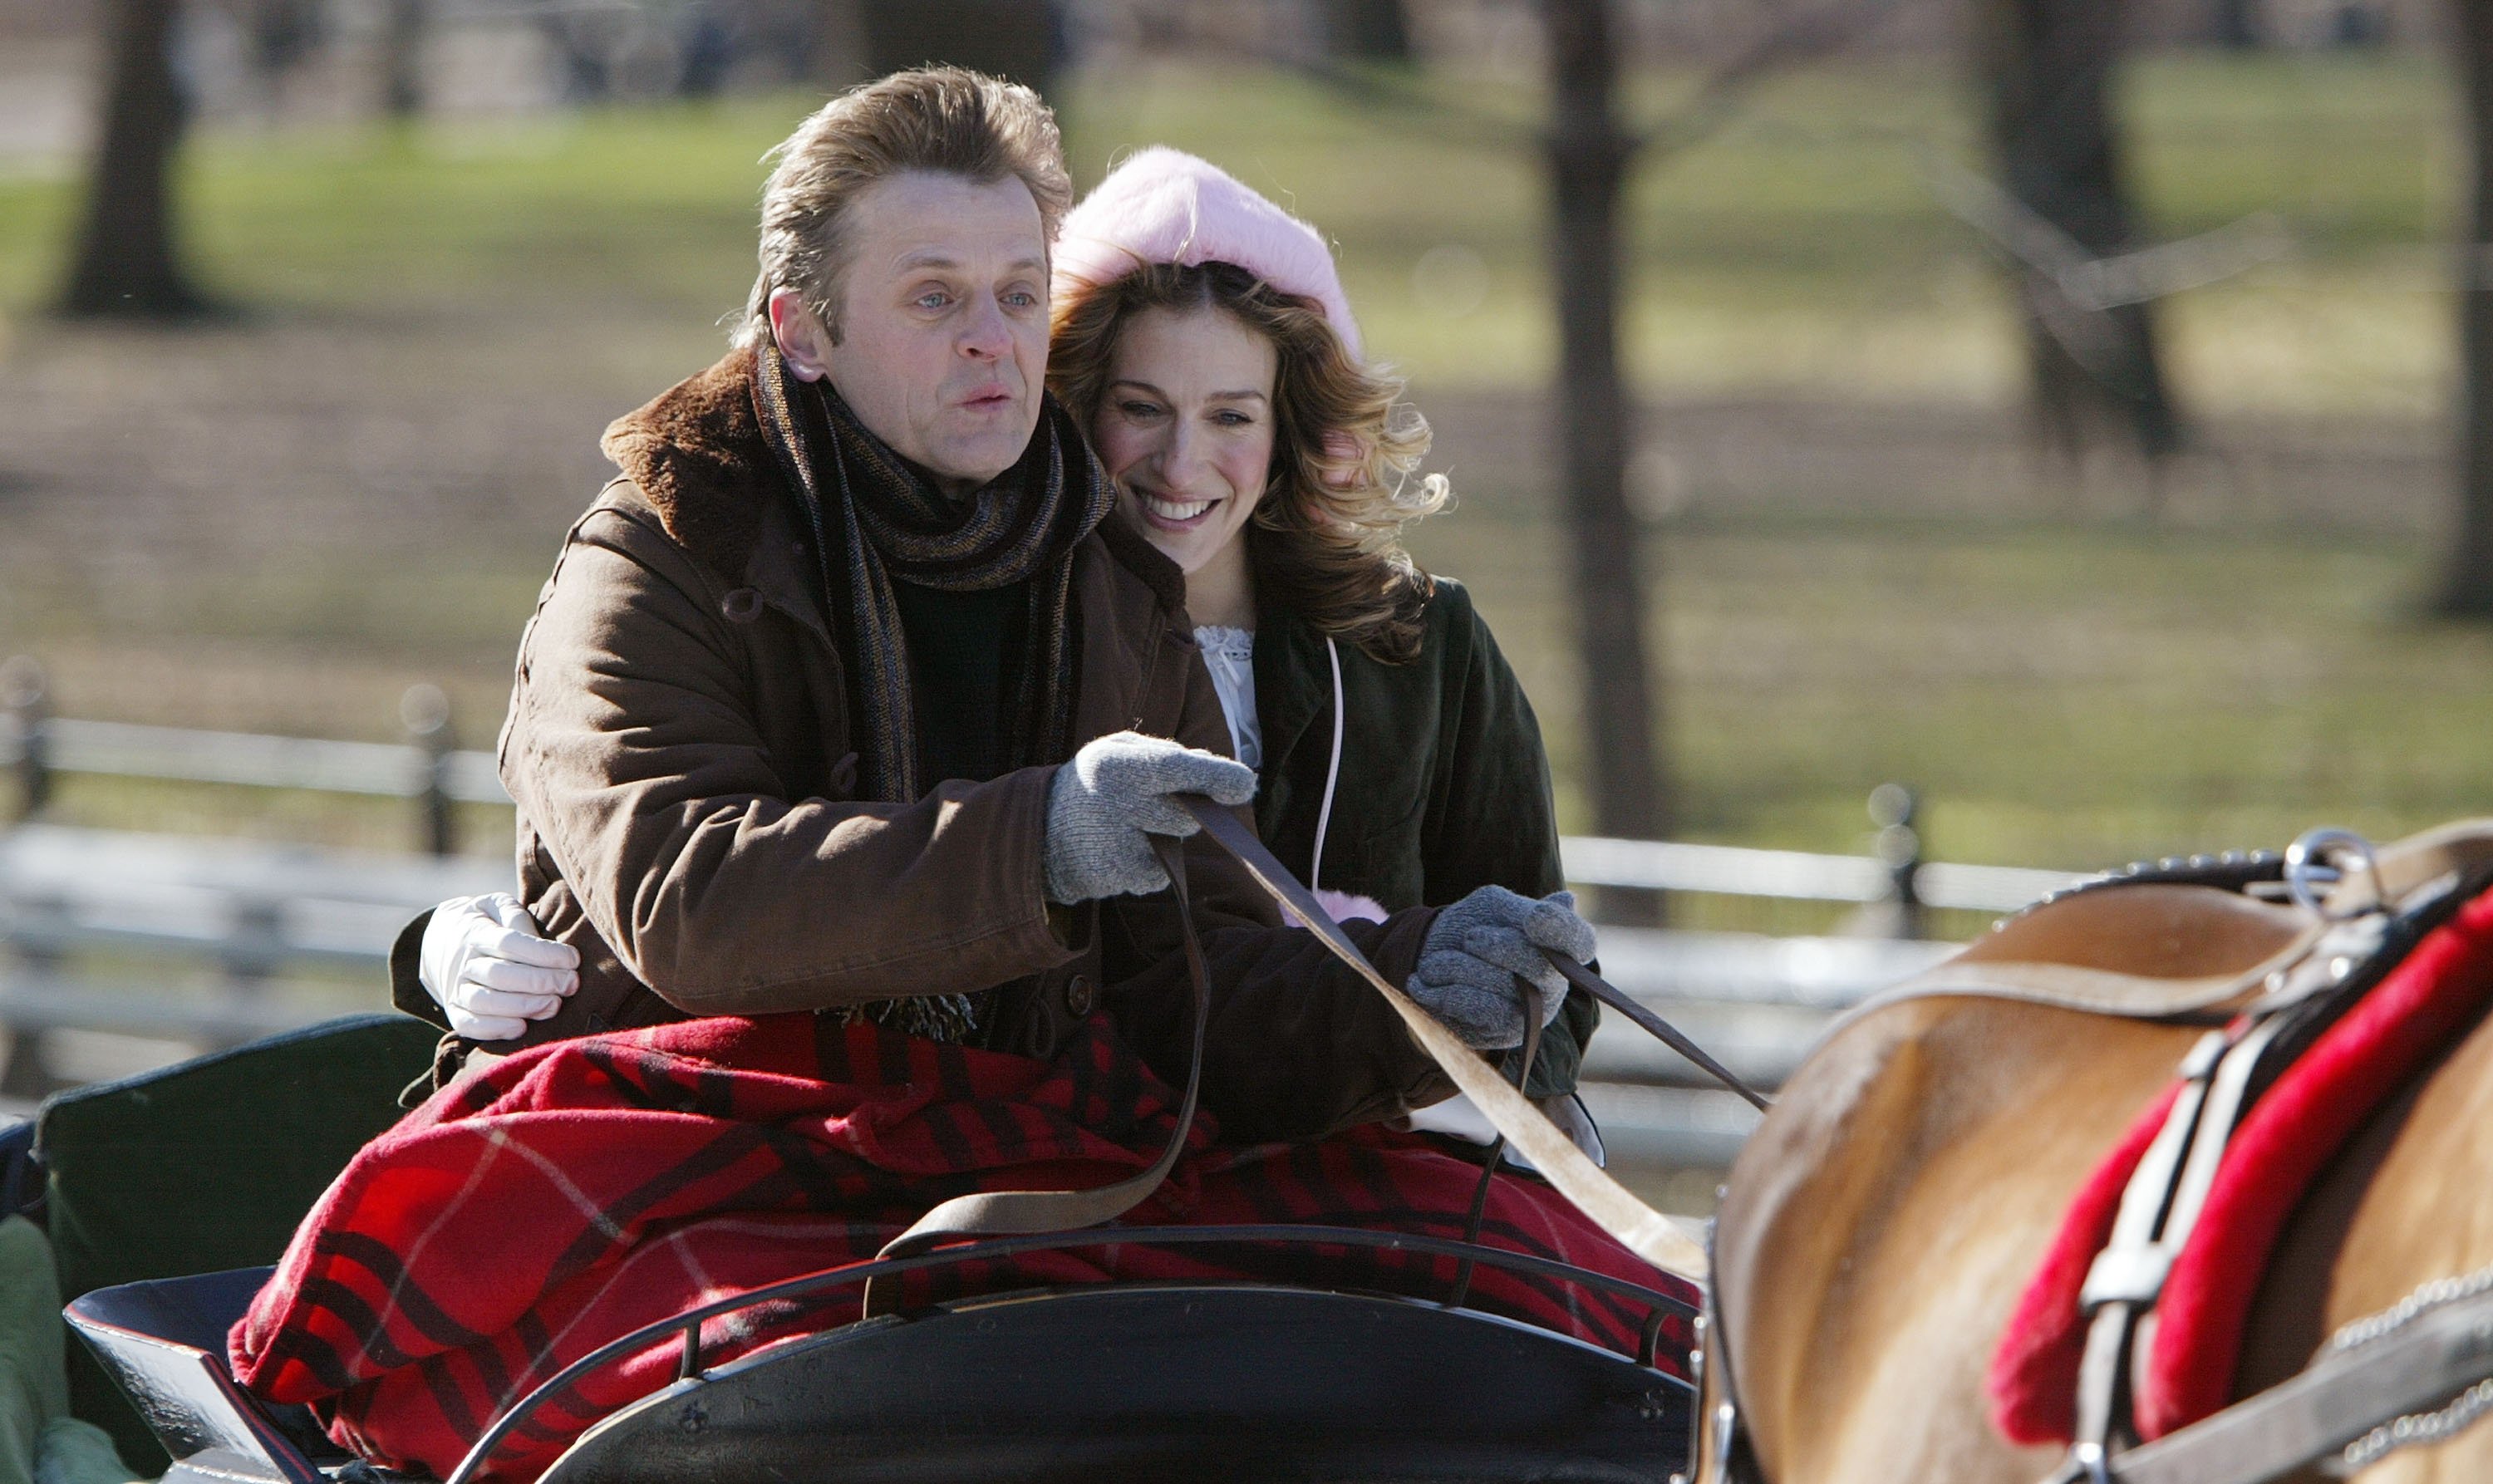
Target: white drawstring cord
<point>1332,770</point>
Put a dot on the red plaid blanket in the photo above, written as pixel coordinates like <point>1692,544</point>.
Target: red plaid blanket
<point>583,1188</point>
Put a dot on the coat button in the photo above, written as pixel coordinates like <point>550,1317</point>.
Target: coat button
<point>743,606</point>
<point>1081,996</point>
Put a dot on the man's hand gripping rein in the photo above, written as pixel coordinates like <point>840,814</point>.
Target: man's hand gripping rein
<point>1115,792</point>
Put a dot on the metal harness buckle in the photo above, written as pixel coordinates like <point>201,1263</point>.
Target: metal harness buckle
<point>2088,1462</point>
<point>2308,866</point>
<point>2125,1275</point>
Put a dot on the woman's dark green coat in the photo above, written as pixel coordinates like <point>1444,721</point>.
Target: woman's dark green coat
<point>1443,786</point>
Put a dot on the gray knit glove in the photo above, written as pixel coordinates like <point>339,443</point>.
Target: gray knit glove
<point>1475,949</point>
<point>1113,793</point>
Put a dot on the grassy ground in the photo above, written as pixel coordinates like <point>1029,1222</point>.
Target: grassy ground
<point>279,521</point>
<point>2061,695</point>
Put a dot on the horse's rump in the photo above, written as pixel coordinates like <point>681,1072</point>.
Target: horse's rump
<point>1882,1224</point>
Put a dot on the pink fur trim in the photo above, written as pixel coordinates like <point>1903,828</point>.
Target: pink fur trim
<point>1347,908</point>
<point>1166,206</point>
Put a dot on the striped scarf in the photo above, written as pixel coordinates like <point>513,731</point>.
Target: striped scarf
<point>876,520</point>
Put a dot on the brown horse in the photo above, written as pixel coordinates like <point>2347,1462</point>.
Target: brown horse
<point>1881,1224</point>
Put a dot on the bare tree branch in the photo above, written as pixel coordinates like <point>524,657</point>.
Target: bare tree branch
<point>2090,283</point>
<point>2068,287</point>
<point>1814,32</point>
<point>1400,97</point>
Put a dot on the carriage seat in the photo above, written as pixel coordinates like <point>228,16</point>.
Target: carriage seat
<point>164,1340</point>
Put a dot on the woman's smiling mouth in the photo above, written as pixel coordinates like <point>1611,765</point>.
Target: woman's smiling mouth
<point>1172,513</point>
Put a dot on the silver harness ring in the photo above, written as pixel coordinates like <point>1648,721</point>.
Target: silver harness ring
<point>2311,861</point>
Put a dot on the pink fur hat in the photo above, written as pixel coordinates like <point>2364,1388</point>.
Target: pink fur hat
<point>1167,206</point>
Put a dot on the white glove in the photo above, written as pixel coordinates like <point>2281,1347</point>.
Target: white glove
<point>490,967</point>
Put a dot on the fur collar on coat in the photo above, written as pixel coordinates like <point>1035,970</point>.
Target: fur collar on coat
<point>698,455</point>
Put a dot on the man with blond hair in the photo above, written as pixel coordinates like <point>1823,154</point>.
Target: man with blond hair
<point>844,698</point>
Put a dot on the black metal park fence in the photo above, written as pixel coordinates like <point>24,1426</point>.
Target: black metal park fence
<point>427,770</point>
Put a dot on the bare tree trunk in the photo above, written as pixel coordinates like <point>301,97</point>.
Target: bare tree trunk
<point>2237,25</point>
<point>1022,40</point>
<point>834,45</point>
<point>1368,30</point>
<point>282,35</point>
<point>2467,585</point>
<point>1588,159</point>
<point>2049,65</point>
<point>125,263</point>
<point>403,24</point>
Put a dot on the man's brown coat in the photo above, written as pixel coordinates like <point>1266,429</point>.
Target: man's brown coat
<point>678,746</point>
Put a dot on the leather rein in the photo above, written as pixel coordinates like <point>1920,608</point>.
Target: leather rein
<point>1660,1240</point>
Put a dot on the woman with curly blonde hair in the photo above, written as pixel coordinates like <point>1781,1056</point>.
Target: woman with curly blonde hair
<point>1202,339</point>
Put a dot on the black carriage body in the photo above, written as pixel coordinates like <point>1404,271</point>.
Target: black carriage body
<point>1201,1382</point>
<point>1194,1381</point>
<point>1207,1383</point>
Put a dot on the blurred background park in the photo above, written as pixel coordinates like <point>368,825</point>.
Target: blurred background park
<point>2056,407</point>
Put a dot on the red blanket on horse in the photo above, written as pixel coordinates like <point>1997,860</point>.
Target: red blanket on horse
<point>583,1188</point>
<point>2416,1012</point>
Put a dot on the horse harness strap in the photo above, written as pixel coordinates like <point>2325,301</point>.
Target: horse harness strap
<point>2089,990</point>
<point>2396,873</point>
<point>2362,1397</point>
<point>2158,1210</point>
<point>2222,1077</point>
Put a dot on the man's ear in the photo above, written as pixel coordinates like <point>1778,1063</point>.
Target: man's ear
<point>804,342</point>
